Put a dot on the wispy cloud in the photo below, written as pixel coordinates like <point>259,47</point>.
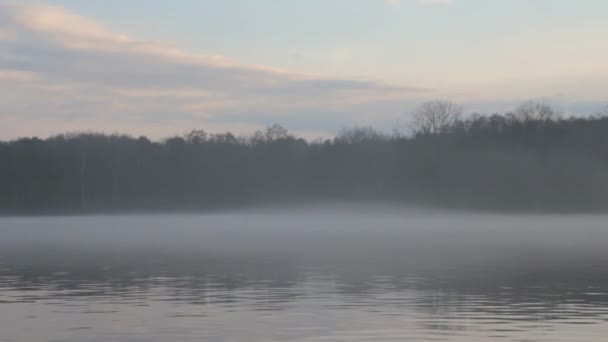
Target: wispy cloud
<point>69,72</point>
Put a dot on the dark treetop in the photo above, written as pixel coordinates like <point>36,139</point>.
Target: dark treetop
<point>526,161</point>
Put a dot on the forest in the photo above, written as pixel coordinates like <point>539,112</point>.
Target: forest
<point>531,159</point>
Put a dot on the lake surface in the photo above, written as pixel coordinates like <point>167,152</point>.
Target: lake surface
<point>317,274</point>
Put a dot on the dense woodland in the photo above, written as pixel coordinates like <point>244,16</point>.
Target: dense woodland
<point>527,160</point>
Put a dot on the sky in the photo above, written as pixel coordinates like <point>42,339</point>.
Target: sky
<point>159,68</point>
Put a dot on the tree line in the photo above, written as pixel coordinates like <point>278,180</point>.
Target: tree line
<point>530,159</point>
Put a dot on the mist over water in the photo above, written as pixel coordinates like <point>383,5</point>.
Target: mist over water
<point>325,273</point>
<point>303,171</point>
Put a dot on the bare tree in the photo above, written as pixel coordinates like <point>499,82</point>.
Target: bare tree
<point>434,117</point>
<point>276,132</point>
<point>269,135</point>
<point>196,136</point>
<point>535,111</point>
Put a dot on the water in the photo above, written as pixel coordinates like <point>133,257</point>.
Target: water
<point>336,274</point>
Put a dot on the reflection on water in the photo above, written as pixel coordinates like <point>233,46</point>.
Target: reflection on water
<point>301,276</point>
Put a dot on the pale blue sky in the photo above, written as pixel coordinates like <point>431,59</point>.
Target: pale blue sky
<point>307,34</point>
<point>486,54</point>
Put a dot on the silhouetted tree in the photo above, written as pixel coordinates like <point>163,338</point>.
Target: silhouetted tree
<point>196,136</point>
<point>534,111</point>
<point>526,160</point>
<point>275,132</point>
<point>359,134</point>
<point>433,117</point>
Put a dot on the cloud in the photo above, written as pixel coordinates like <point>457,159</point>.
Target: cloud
<point>63,70</point>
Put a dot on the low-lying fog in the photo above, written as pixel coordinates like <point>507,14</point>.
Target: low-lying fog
<point>326,273</point>
<point>350,238</point>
